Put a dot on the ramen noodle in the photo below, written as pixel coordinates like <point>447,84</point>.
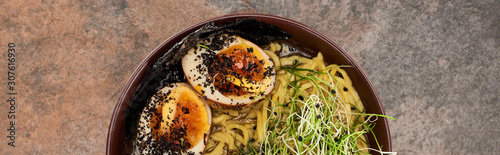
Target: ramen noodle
<point>245,130</point>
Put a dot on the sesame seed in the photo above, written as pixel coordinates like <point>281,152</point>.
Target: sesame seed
<point>333,92</point>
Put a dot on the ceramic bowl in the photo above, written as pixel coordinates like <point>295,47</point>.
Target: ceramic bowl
<point>302,34</point>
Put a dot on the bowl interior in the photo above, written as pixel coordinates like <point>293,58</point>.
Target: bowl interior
<point>303,37</point>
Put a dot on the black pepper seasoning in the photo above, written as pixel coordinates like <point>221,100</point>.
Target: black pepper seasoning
<point>345,89</point>
<point>299,138</point>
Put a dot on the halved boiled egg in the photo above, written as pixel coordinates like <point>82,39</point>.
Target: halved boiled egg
<point>177,120</point>
<point>236,74</point>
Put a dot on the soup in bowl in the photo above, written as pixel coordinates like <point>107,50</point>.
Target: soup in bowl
<point>248,84</point>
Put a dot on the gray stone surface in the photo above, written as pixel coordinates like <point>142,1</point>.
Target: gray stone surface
<point>435,64</point>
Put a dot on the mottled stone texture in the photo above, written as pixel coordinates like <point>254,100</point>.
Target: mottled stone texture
<point>435,64</point>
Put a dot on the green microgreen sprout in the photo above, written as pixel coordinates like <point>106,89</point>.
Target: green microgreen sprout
<point>204,46</point>
<point>313,124</point>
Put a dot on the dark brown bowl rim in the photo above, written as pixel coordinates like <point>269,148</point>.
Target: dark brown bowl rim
<point>135,79</point>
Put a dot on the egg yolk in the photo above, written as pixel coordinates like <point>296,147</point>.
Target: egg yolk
<point>237,61</point>
<point>188,122</point>
<point>191,117</point>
